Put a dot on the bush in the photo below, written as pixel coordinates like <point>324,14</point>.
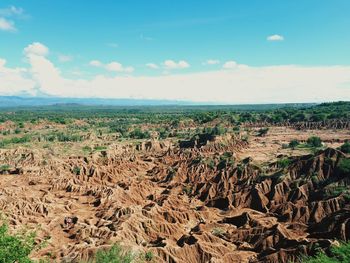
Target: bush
<point>4,168</point>
<point>139,134</point>
<point>263,131</point>
<point>293,144</point>
<point>15,248</point>
<point>218,130</point>
<point>87,149</point>
<point>76,170</point>
<point>149,256</point>
<point>283,163</point>
<point>314,141</point>
<point>343,166</point>
<point>217,231</point>
<point>345,148</point>
<point>339,254</point>
<point>14,140</point>
<point>114,255</point>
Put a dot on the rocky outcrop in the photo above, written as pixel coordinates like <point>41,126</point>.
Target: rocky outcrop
<point>198,204</point>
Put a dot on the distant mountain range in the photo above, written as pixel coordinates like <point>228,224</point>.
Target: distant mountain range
<point>17,101</point>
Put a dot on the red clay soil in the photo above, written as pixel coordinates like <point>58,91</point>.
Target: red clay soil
<point>185,205</point>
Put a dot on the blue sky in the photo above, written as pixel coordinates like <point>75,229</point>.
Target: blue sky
<point>164,38</point>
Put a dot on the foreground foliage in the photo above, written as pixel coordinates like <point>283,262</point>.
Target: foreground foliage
<point>113,255</point>
<point>15,248</point>
<point>339,254</point>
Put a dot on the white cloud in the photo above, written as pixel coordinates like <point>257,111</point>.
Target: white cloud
<point>7,25</point>
<point>117,67</point>
<point>95,63</point>
<point>152,66</point>
<point>14,13</point>
<point>244,84</point>
<point>11,11</point>
<point>211,62</point>
<point>64,58</point>
<point>112,66</point>
<point>171,64</point>
<point>2,62</point>
<point>230,65</point>
<point>275,38</point>
<point>233,65</point>
<point>36,49</point>
<point>15,81</point>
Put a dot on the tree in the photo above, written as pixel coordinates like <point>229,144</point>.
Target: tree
<point>314,141</point>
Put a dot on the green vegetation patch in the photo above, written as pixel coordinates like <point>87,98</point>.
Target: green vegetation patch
<point>340,254</point>
<point>15,248</point>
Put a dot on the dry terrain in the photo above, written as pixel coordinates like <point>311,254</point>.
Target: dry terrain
<point>222,199</point>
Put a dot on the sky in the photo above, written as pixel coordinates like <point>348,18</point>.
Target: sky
<point>224,51</point>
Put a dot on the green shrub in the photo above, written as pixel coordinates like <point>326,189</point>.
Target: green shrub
<point>137,133</point>
<point>114,255</point>
<point>218,130</point>
<point>87,149</point>
<point>293,144</point>
<point>14,140</point>
<point>226,159</point>
<point>339,254</point>
<point>210,162</point>
<point>4,168</point>
<point>217,231</point>
<point>149,256</point>
<point>283,163</point>
<point>343,166</point>
<point>314,141</point>
<point>100,148</point>
<point>345,148</point>
<point>76,170</point>
<point>15,248</point>
<point>263,131</point>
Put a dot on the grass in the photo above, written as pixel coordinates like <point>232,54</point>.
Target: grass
<point>283,163</point>
<point>116,254</point>
<point>149,256</point>
<point>217,231</point>
<point>15,248</point>
<point>14,140</point>
<point>100,148</point>
<point>4,168</point>
<point>340,254</point>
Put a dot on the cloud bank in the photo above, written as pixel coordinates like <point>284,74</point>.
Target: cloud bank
<point>235,83</point>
